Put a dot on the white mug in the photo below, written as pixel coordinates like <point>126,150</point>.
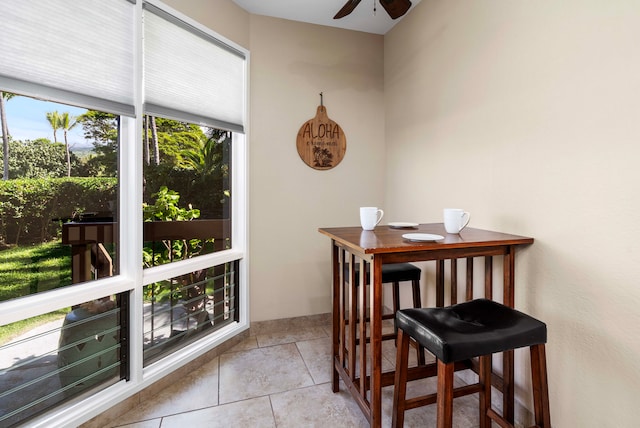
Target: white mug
<point>370,217</point>
<point>455,219</point>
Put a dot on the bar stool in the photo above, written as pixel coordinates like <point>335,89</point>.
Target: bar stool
<point>394,274</point>
<point>477,328</point>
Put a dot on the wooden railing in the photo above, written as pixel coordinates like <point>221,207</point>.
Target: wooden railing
<point>91,260</point>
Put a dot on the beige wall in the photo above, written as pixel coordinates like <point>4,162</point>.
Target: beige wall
<point>528,115</point>
<point>291,63</point>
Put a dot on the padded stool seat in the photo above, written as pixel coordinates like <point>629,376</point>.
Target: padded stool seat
<point>400,272</point>
<point>471,329</point>
<point>396,273</point>
<point>476,328</point>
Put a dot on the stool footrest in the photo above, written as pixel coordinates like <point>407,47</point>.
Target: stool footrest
<point>498,419</point>
<point>424,400</point>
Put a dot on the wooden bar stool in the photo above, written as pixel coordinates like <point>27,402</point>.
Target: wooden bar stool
<point>477,328</point>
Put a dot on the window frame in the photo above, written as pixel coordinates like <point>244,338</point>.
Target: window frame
<point>132,277</point>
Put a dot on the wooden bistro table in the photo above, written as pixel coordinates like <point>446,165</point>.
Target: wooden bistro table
<point>353,246</point>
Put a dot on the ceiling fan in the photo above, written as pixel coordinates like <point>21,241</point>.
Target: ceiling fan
<point>395,8</point>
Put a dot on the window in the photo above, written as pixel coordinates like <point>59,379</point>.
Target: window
<point>58,203</point>
<point>58,223</point>
<point>187,191</point>
<point>61,355</point>
<point>182,309</point>
<point>118,288</point>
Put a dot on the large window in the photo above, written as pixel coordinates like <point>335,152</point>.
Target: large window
<point>122,223</point>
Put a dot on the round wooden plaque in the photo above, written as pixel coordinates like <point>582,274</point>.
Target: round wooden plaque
<point>321,142</point>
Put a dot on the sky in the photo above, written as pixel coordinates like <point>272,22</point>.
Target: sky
<point>27,120</point>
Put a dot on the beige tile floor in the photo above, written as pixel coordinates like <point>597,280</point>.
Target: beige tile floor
<point>276,380</point>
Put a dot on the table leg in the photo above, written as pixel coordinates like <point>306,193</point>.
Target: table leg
<point>362,330</point>
<point>508,393</point>
<point>376,343</point>
<point>335,332</point>
<point>353,316</point>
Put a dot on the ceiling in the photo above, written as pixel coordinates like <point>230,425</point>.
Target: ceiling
<point>322,11</point>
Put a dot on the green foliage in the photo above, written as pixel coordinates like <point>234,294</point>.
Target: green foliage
<point>38,159</point>
<point>202,178</point>
<point>29,206</point>
<point>102,129</point>
<point>67,122</point>
<point>53,117</point>
<point>207,159</point>
<point>174,138</point>
<point>166,208</point>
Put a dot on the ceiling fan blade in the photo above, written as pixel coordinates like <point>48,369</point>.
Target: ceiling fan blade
<point>396,8</point>
<point>347,9</point>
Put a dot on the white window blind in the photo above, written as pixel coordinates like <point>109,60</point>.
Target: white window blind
<point>190,75</point>
<point>74,51</point>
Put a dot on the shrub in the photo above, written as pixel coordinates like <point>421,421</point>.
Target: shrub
<point>32,210</point>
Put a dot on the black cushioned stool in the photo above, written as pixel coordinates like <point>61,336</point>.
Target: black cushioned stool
<point>395,273</point>
<point>477,328</point>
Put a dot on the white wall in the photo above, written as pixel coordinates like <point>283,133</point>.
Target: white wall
<point>528,115</point>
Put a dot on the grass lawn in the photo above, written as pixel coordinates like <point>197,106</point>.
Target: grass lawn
<point>33,269</point>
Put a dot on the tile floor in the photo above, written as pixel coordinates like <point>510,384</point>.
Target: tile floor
<point>276,380</point>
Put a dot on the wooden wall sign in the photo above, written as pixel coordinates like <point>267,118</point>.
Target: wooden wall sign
<point>321,142</point>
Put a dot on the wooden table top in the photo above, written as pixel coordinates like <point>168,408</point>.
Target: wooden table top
<point>385,239</point>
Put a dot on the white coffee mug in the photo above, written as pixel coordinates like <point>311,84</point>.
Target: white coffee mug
<point>370,217</point>
<point>455,219</point>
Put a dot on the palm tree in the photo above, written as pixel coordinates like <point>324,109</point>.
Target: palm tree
<point>54,120</point>
<point>154,139</point>
<point>66,123</point>
<point>147,157</point>
<point>5,133</point>
<point>150,122</point>
<point>207,159</point>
